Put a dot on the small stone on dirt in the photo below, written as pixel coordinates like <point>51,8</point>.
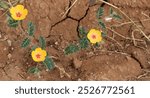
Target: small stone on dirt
<point>56,43</point>
<point>77,63</point>
<point>9,42</point>
<point>9,56</point>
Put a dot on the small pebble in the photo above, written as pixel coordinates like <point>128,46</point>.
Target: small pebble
<point>77,63</point>
<point>56,43</point>
<point>9,56</point>
<point>9,42</point>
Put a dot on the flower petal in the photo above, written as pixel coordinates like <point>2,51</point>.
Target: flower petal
<point>22,17</point>
<point>33,54</point>
<point>25,12</point>
<point>98,32</point>
<point>92,41</point>
<point>92,30</point>
<point>99,39</point>
<point>38,49</point>
<point>42,58</point>
<point>44,53</point>
<point>19,7</point>
<point>12,10</point>
<point>14,17</point>
<point>97,35</point>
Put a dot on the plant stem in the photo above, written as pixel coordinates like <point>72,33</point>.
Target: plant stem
<point>70,8</point>
<point>63,71</point>
<point>127,17</point>
<point>9,2</point>
<point>129,22</point>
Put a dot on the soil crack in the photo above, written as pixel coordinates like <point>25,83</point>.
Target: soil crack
<point>137,61</point>
<point>60,20</point>
<point>6,73</point>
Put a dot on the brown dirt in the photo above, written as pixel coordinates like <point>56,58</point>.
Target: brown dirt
<point>112,61</point>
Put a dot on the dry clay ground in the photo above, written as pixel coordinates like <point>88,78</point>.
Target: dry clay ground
<point>118,58</point>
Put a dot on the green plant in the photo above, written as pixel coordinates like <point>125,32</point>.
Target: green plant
<point>85,38</point>
<point>33,70</point>
<point>93,36</point>
<point>48,62</point>
<point>11,22</point>
<point>83,43</point>
<point>4,4</point>
<point>15,16</point>
<point>112,15</point>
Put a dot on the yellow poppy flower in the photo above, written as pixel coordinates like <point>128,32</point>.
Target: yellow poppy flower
<point>38,55</point>
<point>18,12</point>
<point>94,36</point>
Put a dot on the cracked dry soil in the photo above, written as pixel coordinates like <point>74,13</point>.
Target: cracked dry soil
<point>110,62</point>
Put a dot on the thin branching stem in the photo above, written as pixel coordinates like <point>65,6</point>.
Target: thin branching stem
<point>126,17</point>
<point>70,8</point>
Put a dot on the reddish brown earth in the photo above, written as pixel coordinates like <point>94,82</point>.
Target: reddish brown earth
<point>117,59</point>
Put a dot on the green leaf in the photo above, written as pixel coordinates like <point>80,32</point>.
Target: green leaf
<point>42,42</point>
<point>100,12</point>
<point>33,70</point>
<point>82,32</point>
<point>11,22</point>
<point>33,48</point>
<point>49,63</point>
<point>71,49</point>
<point>115,16</point>
<point>111,11</point>
<point>97,45</point>
<point>101,23</point>
<point>31,28</point>
<point>104,34</point>
<point>84,42</point>
<point>4,5</point>
<point>25,42</point>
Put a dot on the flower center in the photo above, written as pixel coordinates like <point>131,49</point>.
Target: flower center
<point>38,56</point>
<point>18,14</point>
<point>94,36</point>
